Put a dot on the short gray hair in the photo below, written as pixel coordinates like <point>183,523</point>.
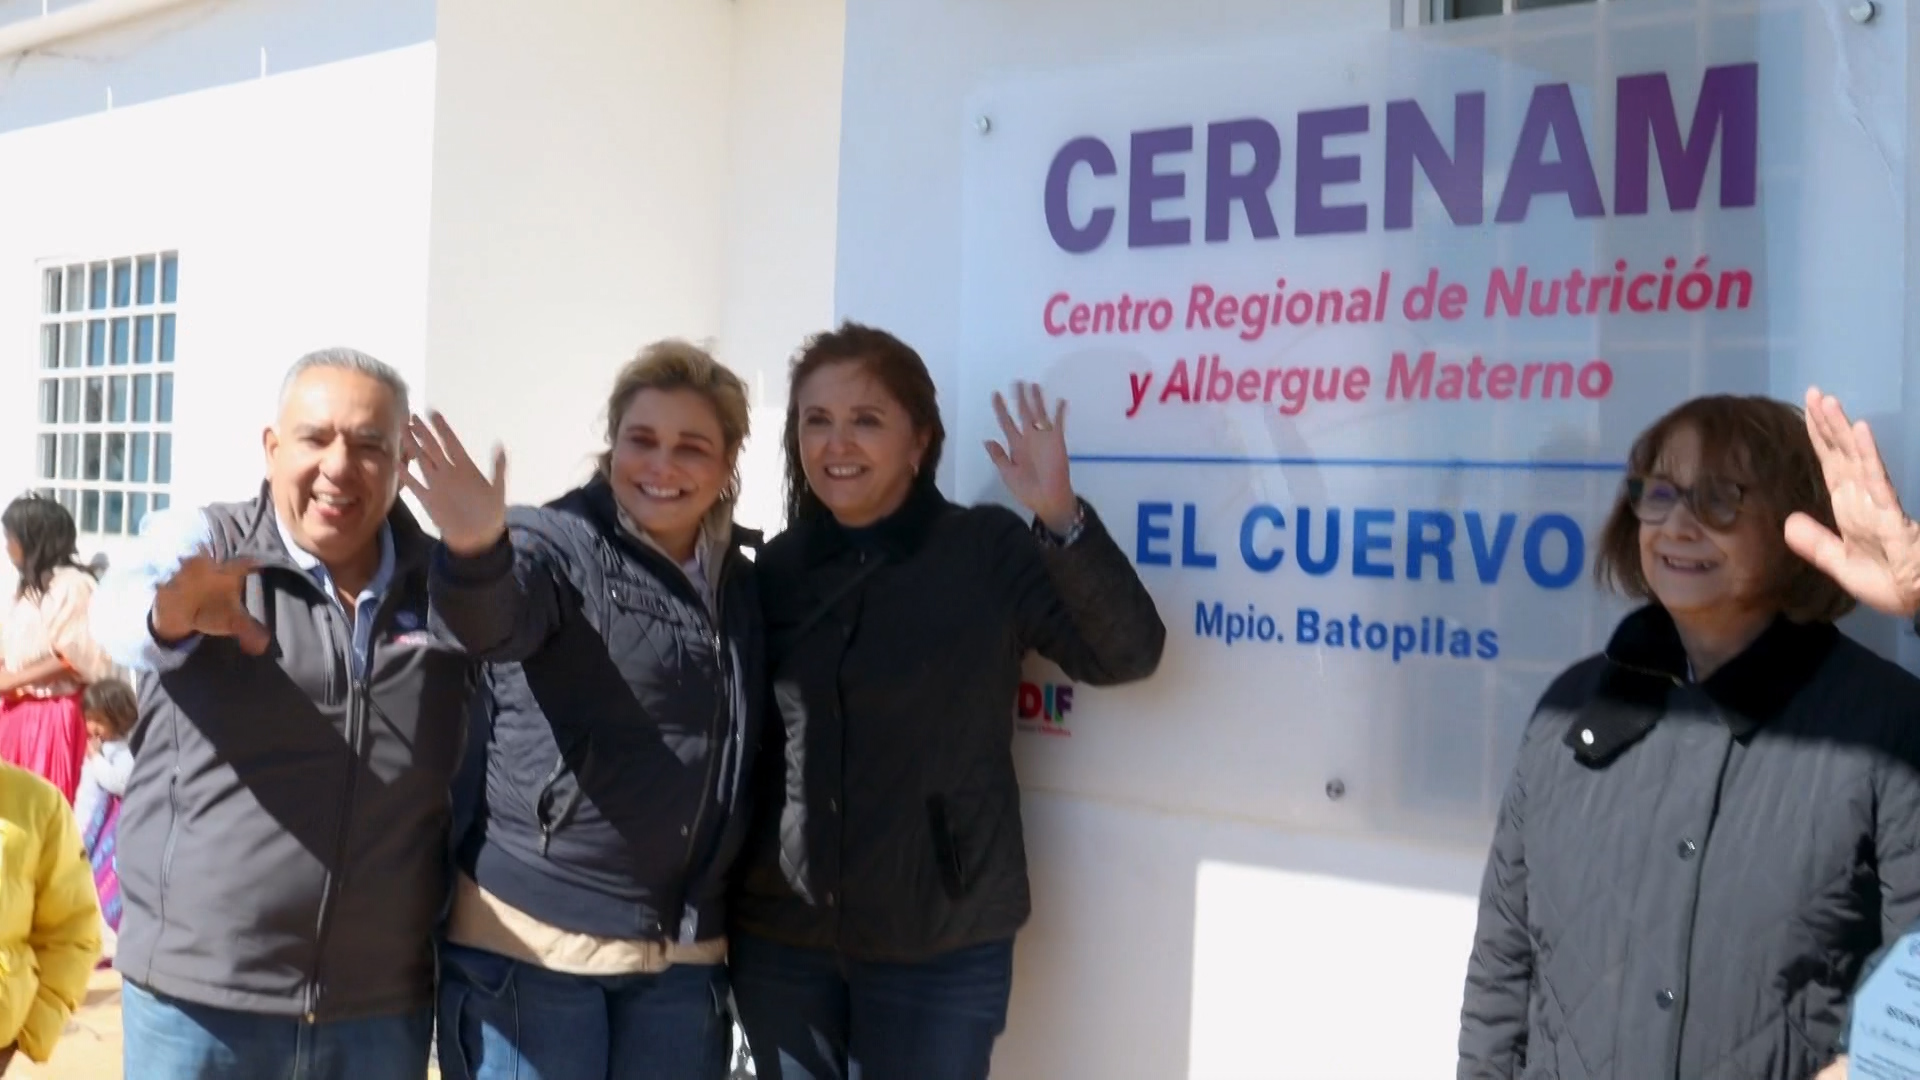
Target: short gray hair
<point>345,359</point>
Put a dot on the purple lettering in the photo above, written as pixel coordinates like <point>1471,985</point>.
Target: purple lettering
<point>1071,238</point>
<point>1729,105</point>
<point>1459,180</point>
<point>1550,157</point>
<point>1226,187</point>
<point>1550,113</point>
<point>1146,187</point>
<point>1311,215</point>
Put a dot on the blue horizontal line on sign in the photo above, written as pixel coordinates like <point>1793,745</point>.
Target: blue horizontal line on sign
<point>1446,464</point>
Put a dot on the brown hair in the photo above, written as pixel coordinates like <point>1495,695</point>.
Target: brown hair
<point>895,366</point>
<point>111,702</point>
<point>674,364</point>
<point>1762,445</point>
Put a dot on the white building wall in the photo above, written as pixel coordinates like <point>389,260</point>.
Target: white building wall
<point>297,202</point>
<point>781,212</point>
<point>579,210</point>
<point>612,172</point>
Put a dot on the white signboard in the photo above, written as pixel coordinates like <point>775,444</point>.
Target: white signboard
<point>1356,334</point>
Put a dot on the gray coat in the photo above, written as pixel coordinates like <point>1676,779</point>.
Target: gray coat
<point>1686,878</point>
<point>283,843</point>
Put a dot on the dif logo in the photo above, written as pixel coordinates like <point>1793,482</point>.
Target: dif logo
<point>1043,707</point>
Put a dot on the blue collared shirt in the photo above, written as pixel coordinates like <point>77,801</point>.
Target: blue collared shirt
<point>167,539</point>
<point>365,605</point>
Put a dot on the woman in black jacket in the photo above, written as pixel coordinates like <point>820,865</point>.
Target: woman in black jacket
<point>886,873</point>
<point>622,628</point>
<point>1713,824</point>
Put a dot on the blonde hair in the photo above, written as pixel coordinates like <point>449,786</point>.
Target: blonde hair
<point>677,364</point>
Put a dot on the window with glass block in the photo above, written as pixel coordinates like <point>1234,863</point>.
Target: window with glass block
<point>108,342</point>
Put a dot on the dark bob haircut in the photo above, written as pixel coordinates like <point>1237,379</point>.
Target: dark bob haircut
<point>1762,445</point>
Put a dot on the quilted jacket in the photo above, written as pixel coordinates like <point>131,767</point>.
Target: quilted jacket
<point>887,814</point>
<point>621,704</point>
<point>1687,878</point>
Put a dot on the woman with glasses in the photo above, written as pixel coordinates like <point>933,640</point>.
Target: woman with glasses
<point>1716,821</point>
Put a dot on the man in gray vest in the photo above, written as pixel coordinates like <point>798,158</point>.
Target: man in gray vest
<point>282,843</point>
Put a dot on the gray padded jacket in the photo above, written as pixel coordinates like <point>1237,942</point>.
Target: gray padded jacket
<point>1686,878</point>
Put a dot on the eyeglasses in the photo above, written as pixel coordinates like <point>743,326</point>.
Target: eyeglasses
<point>1713,503</point>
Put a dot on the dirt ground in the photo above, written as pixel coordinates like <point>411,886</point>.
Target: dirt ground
<point>90,1049</point>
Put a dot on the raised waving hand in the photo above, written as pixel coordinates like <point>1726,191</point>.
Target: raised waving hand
<point>468,506</point>
<point>1875,554</point>
<point>1033,460</point>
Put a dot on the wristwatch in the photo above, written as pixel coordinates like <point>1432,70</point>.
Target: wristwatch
<point>1079,526</point>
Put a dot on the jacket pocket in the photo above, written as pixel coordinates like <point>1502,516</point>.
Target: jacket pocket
<point>166,848</point>
<point>964,829</point>
<point>487,973</point>
<point>476,993</point>
<point>641,621</point>
<point>1548,1034</point>
<point>559,794</point>
<point>946,847</point>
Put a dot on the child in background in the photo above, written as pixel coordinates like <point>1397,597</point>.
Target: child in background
<point>49,918</point>
<point>110,708</point>
<point>47,651</point>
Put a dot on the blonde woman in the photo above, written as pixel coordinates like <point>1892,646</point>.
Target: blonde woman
<point>622,627</point>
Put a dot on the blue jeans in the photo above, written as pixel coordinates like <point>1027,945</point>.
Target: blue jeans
<point>504,1020</point>
<point>168,1039</point>
<point>813,1015</point>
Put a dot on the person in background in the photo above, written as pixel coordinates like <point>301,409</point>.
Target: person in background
<point>47,654</point>
<point>886,874</point>
<point>110,709</point>
<point>49,918</point>
<point>1715,822</point>
<point>283,840</point>
<point>587,935</point>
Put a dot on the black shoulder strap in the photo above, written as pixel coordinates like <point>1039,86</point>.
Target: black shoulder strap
<point>838,595</point>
